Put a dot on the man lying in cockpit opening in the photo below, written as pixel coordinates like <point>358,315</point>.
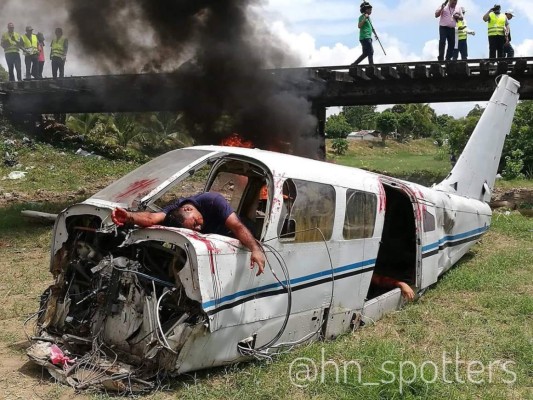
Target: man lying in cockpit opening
<point>205,213</point>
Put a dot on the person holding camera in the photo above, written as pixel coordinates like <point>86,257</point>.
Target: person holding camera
<point>365,34</point>
<point>497,30</point>
<point>447,23</point>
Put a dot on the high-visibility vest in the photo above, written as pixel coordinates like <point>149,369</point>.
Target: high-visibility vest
<point>58,47</point>
<point>497,24</point>
<point>462,32</point>
<point>13,42</point>
<point>30,47</point>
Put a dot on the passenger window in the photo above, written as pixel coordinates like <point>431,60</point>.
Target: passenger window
<point>360,217</point>
<point>429,221</point>
<point>308,209</point>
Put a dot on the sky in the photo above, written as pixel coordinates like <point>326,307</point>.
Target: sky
<point>324,32</point>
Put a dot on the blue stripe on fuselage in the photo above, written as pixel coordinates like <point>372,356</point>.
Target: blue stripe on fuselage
<point>339,270</point>
<point>451,238</point>
<point>294,281</point>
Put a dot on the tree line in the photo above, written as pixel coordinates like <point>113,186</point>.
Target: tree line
<point>404,122</point>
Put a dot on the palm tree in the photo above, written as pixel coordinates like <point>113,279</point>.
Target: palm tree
<point>164,127</point>
<point>82,123</point>
<point>124,127</point>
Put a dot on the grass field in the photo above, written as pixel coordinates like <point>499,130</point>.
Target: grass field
<point>468,337</point>
<point>395,158</point>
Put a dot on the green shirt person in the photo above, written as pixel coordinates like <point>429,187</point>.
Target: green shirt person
<point>365,34</point>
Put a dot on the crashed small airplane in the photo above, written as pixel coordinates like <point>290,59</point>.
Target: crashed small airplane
<point>131,304</point>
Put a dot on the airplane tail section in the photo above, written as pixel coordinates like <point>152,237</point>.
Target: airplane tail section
<point>474,173</point>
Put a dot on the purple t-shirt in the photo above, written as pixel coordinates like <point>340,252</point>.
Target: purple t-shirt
<point>213,207</point>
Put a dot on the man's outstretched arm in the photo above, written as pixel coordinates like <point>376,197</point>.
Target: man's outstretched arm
<point>121,216</point>
<point>242,233</point>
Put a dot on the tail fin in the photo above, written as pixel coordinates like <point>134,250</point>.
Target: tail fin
<point>474,173</point>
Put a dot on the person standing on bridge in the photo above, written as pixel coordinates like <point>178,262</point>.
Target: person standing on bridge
<point>31,53</point>
<point>58,53</point>
<point>461,32</point>
<point>365,34</point>
<point>12,43</point>
<point>508,50</point>
<point>447,25</point>
<point>497,30</point>
<point>40,38</point>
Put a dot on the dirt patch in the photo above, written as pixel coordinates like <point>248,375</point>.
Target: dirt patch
<point>43,196</point>
<point>512,198</point>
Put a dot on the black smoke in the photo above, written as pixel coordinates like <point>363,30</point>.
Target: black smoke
<point>224,50</point>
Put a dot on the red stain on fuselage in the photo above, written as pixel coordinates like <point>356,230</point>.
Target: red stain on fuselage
<point>137,186</point>
<point>211,248</point>
<point>382,198</point>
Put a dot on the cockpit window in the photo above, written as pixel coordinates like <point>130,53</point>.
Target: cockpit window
<point>140,182</point>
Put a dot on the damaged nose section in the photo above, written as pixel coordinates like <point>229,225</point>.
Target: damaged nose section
<point>115,322</point>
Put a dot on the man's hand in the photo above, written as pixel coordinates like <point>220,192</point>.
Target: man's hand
<point>242,233</point>
<point>120,216</point>
<point>407,292</point>
<point>258,257</point>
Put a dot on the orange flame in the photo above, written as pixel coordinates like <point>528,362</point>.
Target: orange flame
<point>235,140</point>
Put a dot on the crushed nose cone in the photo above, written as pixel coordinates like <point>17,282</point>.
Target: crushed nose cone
<point>116,317</point>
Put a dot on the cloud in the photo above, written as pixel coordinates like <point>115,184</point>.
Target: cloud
<point>523,9</point>
<point>523,49</point>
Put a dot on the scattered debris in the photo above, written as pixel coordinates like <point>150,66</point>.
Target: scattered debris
<point>85,153</point>
<point>10,159</point>
<point>15,175</point>
<point>41,216</point>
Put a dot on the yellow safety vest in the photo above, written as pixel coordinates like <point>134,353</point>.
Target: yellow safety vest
<point>30,47</point>
<point>58,47</point>
<point>462,32</point>
<point>497,24</point>
<point>12,41</point>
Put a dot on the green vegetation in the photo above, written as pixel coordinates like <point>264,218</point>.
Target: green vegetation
<point>415,121</point>
<point>337,127</point>
<point>418,160</point>
<point>480,312</point>
<point>4,76</point>
<point>50,171</point>
<point>339,146</point>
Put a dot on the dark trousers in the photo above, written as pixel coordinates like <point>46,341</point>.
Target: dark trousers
<point>508,50</point>
<point>462,48</point>
<point>368,51</point>
<point>41,68</point>
<point>496,44</point>
<point>13,63</point>
<point>446,35</point>
<point>32,66</point>
<point>58,64</point>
